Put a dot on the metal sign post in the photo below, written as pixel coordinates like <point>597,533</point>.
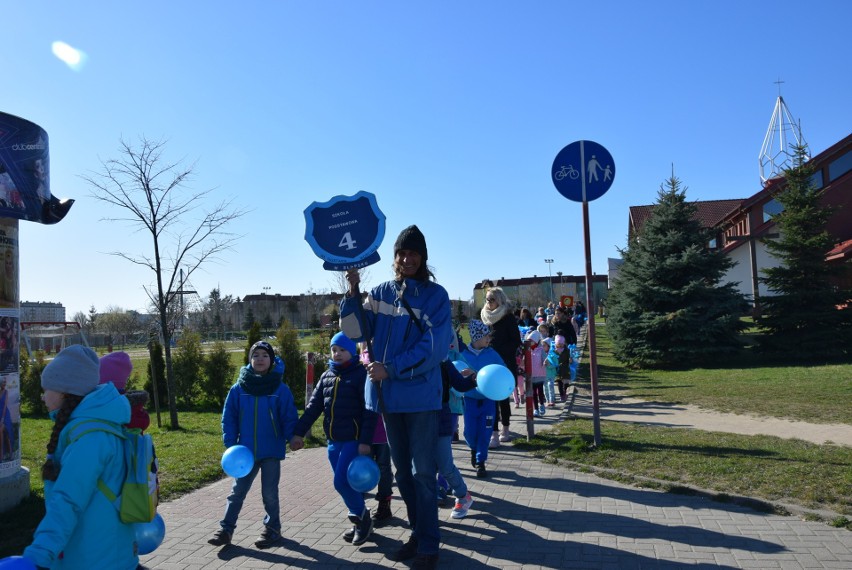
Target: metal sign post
<point>584,171</point>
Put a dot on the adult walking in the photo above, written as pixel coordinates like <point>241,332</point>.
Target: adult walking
<point>409,322</point>
<point>506,340</point>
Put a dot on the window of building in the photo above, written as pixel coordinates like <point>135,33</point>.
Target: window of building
<point>771,209</point>
<point>816,180</point>
<point>711,244</point>
<point>840,166</point>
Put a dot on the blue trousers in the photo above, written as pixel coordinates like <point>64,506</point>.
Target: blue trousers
<point>448,469</point>
<point>478,426</point>
<point>340,455</point>
<point>270,474</point>
<point>412,436</point>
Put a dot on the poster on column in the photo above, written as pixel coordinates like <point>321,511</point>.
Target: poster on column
<point>10,385</point>
<point>25,173</point>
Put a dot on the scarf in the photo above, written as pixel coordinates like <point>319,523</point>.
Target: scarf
<point>491,317</point>
<point>257,384</point>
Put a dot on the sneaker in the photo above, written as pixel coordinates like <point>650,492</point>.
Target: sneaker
<point>495,441</point>
<point>425,562</point>
<point>541,410</point>
<point>549,404</point>
<point>480,470</point>
<point>462,507</point>
<point>407,552</point>
<point>267,538</point>
<point>363,527</point>
<point>349,534</point>
<point>505,436</point>
<point>381,515</point>
<point>535,413</point>
<point>473,458</point>
<point>220,538</point>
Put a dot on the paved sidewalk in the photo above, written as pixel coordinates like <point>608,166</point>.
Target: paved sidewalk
<point>526,514</point>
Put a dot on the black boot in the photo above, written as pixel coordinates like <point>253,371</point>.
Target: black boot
<point>363,527</point>
<point>382,514</point>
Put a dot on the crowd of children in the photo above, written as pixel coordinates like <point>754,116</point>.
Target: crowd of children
<point>260,413</point>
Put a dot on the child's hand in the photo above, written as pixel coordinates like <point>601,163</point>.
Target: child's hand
<point>365,449</point>
<point>296,443</point>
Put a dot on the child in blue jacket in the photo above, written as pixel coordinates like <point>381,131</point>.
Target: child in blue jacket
<point>479,411</point>
<point>260,414</point>
<point>81,528</point>
<point>348,427</point>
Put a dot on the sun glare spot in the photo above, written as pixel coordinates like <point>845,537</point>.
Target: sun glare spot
<point>72,57</point>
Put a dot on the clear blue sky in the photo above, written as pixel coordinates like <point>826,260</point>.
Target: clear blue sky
<point>449,112</point>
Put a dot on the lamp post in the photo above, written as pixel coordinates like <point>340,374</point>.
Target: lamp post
<point>549,262</point>
<point>561,287</point>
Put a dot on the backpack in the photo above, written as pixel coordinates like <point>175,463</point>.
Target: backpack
<point>139,493</point>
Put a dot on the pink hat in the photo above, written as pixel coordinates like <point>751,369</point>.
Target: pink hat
<point>116,368</point>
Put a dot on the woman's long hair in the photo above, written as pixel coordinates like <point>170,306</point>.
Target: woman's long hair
<point>424,272</point>
<point>50,469</point>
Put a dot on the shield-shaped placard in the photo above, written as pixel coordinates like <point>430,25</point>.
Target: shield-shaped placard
<point>345,231</point>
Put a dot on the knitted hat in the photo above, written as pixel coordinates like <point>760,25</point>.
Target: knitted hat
<point>477,329</point>
<point>533,336</point>
<point>560,340</point>
<point>345,343</point>
<point>411,238</point>
<point>263,345</point>
<point>73,371</point>
<point>116,368</point>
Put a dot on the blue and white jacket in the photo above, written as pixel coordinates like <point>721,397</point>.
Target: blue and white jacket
<point>80,522</point>
<point>263,423</point>
<point>411,356</point>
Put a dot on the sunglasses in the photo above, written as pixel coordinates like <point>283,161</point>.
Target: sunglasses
<point>490,300</point>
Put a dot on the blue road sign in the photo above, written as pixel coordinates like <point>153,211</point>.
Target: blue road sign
<point>583,171</point>
<point>346,231</point>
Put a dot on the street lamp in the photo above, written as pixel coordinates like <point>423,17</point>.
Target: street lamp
<point>550,277</point>
<point>561,286</point>
<point>266,289</point>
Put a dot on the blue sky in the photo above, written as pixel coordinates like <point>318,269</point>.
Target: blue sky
<point>450,112</point>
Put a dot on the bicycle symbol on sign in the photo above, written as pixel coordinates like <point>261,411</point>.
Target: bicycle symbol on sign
<point>568,171</point>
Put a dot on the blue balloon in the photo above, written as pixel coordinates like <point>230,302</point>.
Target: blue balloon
<point>237,461</point>
<point>460,365</point>
<point>362,474</point>
<point>495,382</point>
<point>16,563</point>
<point>150,535</point>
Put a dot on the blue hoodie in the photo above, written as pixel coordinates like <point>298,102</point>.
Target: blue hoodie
<point>411,355</point>
<point>80,521</point>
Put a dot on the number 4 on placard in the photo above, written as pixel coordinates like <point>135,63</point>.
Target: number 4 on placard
<point>347,241</point>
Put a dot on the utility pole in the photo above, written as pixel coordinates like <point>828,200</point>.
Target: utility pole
<point>549,262</point>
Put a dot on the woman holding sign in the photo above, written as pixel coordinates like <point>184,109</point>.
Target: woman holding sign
<point>408,321</point>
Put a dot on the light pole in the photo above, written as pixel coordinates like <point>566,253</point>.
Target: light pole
<point>266,290</point>
<point>550,277</point>
<point>561,287</point>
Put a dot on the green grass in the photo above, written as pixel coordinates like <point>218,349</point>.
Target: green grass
<point>816,394</point>
<point>763,467</point>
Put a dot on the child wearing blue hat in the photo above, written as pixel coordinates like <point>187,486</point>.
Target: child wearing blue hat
<point>348,427</point>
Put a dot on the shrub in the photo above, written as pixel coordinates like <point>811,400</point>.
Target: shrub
<point>188,365</point>
<point>219,373</point>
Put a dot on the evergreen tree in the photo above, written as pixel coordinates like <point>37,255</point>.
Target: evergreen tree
<point>156,368</point>
<point>667,308</point>
<point>290,351</point>
<point>802,315</point>
<point>249,320</point>
<point>252,337</point>
<point>219,373</point>
<point>188,367</point>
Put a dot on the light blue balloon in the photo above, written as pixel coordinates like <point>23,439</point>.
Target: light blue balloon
<point>16,563</point>
<point>150,535</point>
<point>237,461</point>
<point>495,382</point>
<point>362,474</point>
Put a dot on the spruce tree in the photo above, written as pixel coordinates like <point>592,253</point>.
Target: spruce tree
<point>805,315</point>
<point>668,307</point>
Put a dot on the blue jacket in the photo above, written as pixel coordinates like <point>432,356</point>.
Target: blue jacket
<point>262,423</point>
<point>339,394</point>
<point>80,521</point>
<point>411,356</point>
<point>477,362</point>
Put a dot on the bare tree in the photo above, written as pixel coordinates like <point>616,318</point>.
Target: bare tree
<point>339,284</point>
<point>117,324</point>
<point>151,191</point>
